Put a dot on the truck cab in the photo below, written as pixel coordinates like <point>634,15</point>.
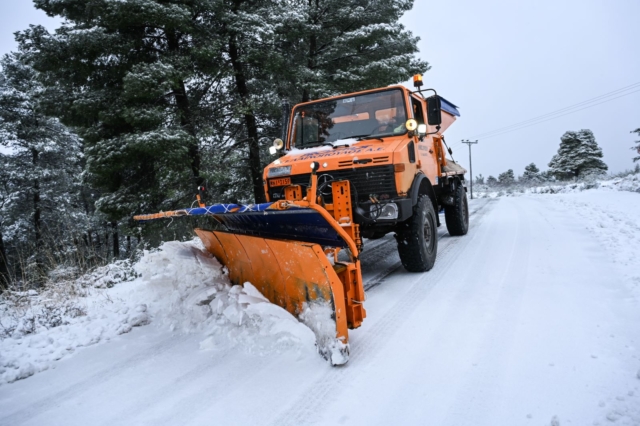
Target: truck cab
<point>387,142</point>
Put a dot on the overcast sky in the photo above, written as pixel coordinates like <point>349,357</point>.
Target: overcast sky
<point>503,62</point>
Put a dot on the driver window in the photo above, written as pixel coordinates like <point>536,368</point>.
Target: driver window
<point>305,130</point>
<point>418,111</point>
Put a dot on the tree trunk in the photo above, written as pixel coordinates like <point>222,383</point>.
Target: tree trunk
<point>36,202</point>
<point>242,89</point>
<point>116,243</point>
<point>184,108</point>
<point>310,64</point>
<point>4,265</point>
<point>106,241</point>
<point>37,215</point>
<point>250,121</point>
<point>313,45</point>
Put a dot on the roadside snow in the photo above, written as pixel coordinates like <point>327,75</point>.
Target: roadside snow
<point>610,208</point>
<point>629,183</point>
<point>180,287</point>
<point>614,219</point>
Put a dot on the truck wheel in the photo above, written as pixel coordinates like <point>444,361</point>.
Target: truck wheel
<point>418,237</point>
<point>457,215</point>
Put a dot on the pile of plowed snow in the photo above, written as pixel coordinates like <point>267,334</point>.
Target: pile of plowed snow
<point>179,287</point>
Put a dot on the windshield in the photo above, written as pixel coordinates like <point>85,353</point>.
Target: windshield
<point>372,115</point>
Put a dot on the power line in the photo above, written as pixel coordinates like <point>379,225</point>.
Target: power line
<point>555,114</point>
<point>606,95</point>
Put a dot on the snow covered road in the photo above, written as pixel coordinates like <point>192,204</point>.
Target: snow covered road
<point>533,318</point>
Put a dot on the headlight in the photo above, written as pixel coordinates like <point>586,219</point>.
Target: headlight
<point>387,211</point>
<point>279,171</point>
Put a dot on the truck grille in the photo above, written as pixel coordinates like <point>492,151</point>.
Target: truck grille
<point>377,180</point>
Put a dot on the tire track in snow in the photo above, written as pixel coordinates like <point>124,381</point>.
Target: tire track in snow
<point>208,383</point>
<point>496,339</point>
<point>390,248</point>
<point>88,383</point>
<point>304,410</point>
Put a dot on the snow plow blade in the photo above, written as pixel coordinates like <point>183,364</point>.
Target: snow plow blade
<point>284,250</point>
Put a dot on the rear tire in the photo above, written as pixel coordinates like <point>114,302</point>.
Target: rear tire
<point>457,215</point>
<point>418,237</point>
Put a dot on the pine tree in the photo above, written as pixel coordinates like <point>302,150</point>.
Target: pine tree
<point>346,45</point>
<point>161,91</point>
<point>142,82</point>
<point>507,178</point>
<point>492,181</point>
<point>637,147</point>
<point>40,179</point>
<point>578,156</point>
<point>479,180</point>
<point>532,174</point>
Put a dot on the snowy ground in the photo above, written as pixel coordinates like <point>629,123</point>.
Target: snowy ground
<point>533,318</point>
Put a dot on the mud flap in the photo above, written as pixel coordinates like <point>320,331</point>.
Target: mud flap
<point>292,274</point>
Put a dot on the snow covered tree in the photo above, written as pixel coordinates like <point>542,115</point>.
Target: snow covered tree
<point>578,156</point>
<point>507,178</point>
<point>159,90</point>
<point>142,69</point>
<point>40,173</point>
<point>637,147</point>
<point>531,170</point>
<point>344,45</point>
<point>142,82</point>
<point>532,174</point>
<point>492,181</point>
<point>479,180</point>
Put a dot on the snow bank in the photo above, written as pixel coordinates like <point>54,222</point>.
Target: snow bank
<point>180,287</point>
<point>614,220</point>
<point>629,183</point>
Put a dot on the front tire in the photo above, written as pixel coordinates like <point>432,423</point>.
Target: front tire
<point>418,237</point>
<point>457,215</point>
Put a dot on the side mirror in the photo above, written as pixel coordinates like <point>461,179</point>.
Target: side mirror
<point>434,111</point>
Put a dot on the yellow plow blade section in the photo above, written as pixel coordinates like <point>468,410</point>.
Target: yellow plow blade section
<point>291,274</point>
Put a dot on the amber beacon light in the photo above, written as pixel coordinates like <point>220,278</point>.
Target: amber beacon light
<point>417,80</point>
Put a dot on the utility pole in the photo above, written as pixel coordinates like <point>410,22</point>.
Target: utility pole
<point>468,142</point>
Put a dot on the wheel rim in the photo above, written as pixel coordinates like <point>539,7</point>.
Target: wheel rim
<point>427,231</point>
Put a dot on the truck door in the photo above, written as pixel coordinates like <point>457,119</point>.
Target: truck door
<point>425,151</point>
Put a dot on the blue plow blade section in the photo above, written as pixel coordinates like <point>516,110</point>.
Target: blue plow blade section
<point>260,220</point>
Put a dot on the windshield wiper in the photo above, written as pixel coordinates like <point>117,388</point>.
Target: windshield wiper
<point>363,137</point>
<point>317,143</point>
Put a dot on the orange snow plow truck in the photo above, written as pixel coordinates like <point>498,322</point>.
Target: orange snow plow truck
<point>348,168</point>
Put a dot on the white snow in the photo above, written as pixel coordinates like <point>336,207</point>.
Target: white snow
<point>180,287</point>
<point>531,318</point>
